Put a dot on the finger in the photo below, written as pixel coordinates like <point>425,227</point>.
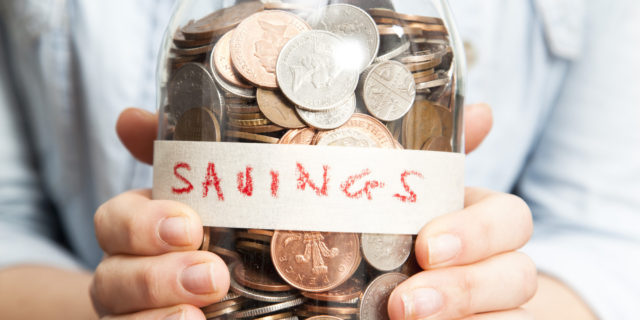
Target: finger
<point>137,130</point>
<point>181,312</point>
<point>124,284</point>
<point>491,223</point>
<point>515,314</point>
<point>500,283</point>
<point>132,223</point>
<point>478,120</point>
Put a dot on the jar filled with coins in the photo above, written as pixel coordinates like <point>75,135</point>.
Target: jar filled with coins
<point>315,139</point>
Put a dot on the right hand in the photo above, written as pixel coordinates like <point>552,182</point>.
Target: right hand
<point>151,268</point>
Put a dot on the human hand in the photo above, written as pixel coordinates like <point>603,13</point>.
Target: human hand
<point>152,269</point>
<point>472,268</point>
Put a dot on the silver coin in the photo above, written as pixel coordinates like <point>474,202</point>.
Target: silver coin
<point>230,88</point>
<point>394,52</point>
<point>348,137</point>
<point>355,26</point>
<point>329,119</point>
<point>441,80</point>
<point>386,252</point>
<point>260,296</point>
<point>373,305</point>
<point>251,313</point>
<point>388,90</point>
<point>193,87</point>
<point>311,72</point>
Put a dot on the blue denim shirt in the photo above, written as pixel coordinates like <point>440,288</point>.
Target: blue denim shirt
<point>561,75</point>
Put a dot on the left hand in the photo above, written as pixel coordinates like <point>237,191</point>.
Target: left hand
<point>472,270</point>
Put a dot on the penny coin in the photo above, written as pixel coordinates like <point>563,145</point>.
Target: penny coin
<point>388,90</point>
<point>280,316</point>
<point>223,305</point>
<point>331,310</point>
<point>271,297</point>
<point>421,123</point>
<point>420,19</point>
<point>268,233</point>
<point>436,28</point>
<point>422,74</point>
<point>243,109</point>
<point>180,41</point>
<point>438,144</point>
<point>257,129</point>
<point>245,116</point>
<point>277,108</point>
<point>221,21</point>
<point>197,124</point>
<point>315,261</point>
<point>421,66</point>
<point>388,30</point>
<point>312,73</point>
<point>329,119</point>
<point>299,136</point>
<point>254,236</point>
<point>251,247</point>
<point>193,87</point>
<point>249,123</point>
<point>255,279</point>
<point>260,311</point>
<point>355,26</point>
<point>383,13</point>
<point>227,255</point>
<point>373,305</point>
<point>360,131</point>
<point>223,312</point>
<point>350,290</point>
<point>324,318</point>
<point>221,60</point>
<point>386,252</point>
<point>251,137</point>
<point>239,92</point>
<point>206,239</point>
<point>257,42</point>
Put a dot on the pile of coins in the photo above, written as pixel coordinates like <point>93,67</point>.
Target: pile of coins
<point>336,75</point>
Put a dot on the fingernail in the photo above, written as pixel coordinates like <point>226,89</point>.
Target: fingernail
<point>443,248</point>
<point>421,303</point>
<point>175,231</point>
<point>199,279</point>
<point>176,316</point>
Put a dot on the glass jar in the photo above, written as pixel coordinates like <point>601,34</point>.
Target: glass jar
<point>314,138</point>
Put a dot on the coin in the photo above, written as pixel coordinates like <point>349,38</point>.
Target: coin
<point>324,318</point>
<point>280,316</point>
<point>315,261</point>
<point>221,21</point>
<point>243,108</point>
<point>277,108</point>
<point>331,310</point>
<point>221,60</point>
<point>350,290</point>
<point>197,124</point>
<point>251,247</point>
<point>388,90</point>
<point>255,279</point>
<point>252,313</point>
<point>223,312</point>
<point>373,305</point>
<point>249,123</point>
<point>206,239</point>
<point>355,26</point>
<point>257,42</point>
<point>312,73</point>
<point>421,123</point>
<point>223,305</point>
<point>238,92</point>
<point>438,144</point>
<point>421,66</point>
<point>271,297</point>
<point>194,51</point>
<point>386,252</point>
<point>245,116</point>
<point>421,19</point>
<point>227,255</point>
<point>329,119</point>
<point>388,30</point>
<point>250,136</point>
<point>360,131</point>
<point>398,50</point>
<point>299,136</point>
<point>257,129</point>
<point>254,236</point>
<point>192,87</point>
<point>180,41</point>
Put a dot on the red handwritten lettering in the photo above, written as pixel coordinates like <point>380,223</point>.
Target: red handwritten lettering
<point>368,186</point>
<point>245,185</point>
<point>304,180</point>
<point>412,197</point>
<point>212,180</point>
<point>275,183</point>
<point>189,187</point>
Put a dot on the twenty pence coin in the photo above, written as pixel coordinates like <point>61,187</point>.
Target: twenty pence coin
<point>277,108</point>
<point>311,72</point>
<point>330,119</point>
<point>386,252</point>
<point>334,259</point>
<point>360,131</point>
<point>388,90</point>
<point>373,305</point>
<point>257,42</point>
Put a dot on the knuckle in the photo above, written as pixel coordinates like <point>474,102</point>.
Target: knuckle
<point>529,277</point>
<point>466,285</point>
<point>149,281</point>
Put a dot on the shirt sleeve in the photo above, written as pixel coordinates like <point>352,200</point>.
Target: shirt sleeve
<point>582,181</point>
<point>28,226</point>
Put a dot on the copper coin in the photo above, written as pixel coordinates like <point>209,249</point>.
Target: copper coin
<point>221,21</point>
<point>383,13</point>
<point>421,66</point>
<point>223,312</point>
<point>268,233</point>
<point>206,239</point>
<point>315,261</point>
<point>360,131</point>
<point>258,280</point>
<point>194,51</point>
<point>423,74</point>
<point>299,136</point>
<point>249,123</point>
<point>250,137</point>
<point>221,59</point>
<point>324,318</point>
<point>438,144</point>
<point>428,27</point>
<point>388,30</point>
<point>254,236</point>
<point>252,247</point>
<point>197,124</point>
<point>421,123</point>
<point>223,305</point>
<point>421,19</point>
<point>257,41</point>
<point>277,108</point>
<point>243,109</point>
<point>391,21</point>
<point>246,116</point>
<point>331,310</point>
<point>180,41</point>
<point>257,129</point>
<point>373,305</point>
<point>348,291</point>
<point>314,315</point>
<point>287,6</point>
<point>227,255</point>
<point>280,316</point>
